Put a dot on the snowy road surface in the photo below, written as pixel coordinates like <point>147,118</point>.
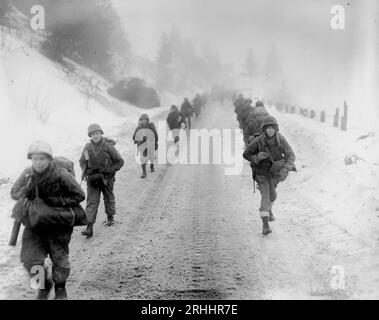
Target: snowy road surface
<point>190,232</point>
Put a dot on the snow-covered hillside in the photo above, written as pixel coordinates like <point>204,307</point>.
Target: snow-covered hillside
<point>345,192</point>
<point>40,100</point>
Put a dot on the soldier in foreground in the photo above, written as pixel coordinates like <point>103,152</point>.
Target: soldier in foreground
<point>99,161</point>
<point>49,192</point>
<point>271,159</point>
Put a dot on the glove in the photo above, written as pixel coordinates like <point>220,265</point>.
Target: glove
<point>176,139</point>
<point>254,159</point>
<point>144,139</point>
<point>262,155</point>
<point>283,174</point>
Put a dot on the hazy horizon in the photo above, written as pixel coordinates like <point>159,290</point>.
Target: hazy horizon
<point>315,58</point>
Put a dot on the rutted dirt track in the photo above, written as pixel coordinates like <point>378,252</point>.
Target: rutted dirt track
<point>191,232</point>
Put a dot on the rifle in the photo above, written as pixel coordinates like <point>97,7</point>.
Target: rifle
<point>15,232</point>
<point>252,166</point>
<point>84,173</point>
<point>18,213</point>
<point>85,169</point>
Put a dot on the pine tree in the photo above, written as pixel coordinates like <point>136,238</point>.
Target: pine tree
<point>164,63</point>
<point>4,9</point>
<point>250,67</point>
<point>86,31</point>
<point>273,74</point>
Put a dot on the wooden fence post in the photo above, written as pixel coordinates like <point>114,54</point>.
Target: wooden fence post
<point>344,118</point>
<point>322,116</point>
<point>336,118</point>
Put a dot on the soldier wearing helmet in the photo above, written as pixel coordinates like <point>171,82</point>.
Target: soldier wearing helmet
<point>254,124</point>
<point>99,161</point>
<point>57,188</point>
<point>259,104</point>
<point>146,138</point>
<point>187,110</point>
<point>271,159</point>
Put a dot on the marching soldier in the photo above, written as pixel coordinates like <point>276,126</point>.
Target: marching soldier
<point>271,159</point>
<point>58,189</point>
<point>146,133</point>
<point>99,161</point>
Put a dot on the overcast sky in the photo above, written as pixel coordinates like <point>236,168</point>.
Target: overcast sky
<point>314,56</point>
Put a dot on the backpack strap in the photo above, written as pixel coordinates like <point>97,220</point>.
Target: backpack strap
<point>259,145</point>
<point>278,138</point>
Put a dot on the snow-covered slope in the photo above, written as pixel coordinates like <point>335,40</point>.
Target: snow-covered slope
<point>40,100</point>
<point>346,193</point>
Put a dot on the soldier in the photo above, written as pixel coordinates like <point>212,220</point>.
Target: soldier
<point>254,122</point>
<point>146,133</point>
<point>99,161</point>
<point>187,110</point>
<point>244,113</point>
<point>197,105</point>
<point>271,159</point>
<point>172,117</point>
<point>175,121</point>
<point>59,189</point>
<point>238,104</point>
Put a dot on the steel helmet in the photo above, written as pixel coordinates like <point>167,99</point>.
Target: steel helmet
<point>260,110</point>
<point>269,121</point>
<point>144,116</point>
<point>94,127</point>
<point>40,147</point>
<point>259,104</point>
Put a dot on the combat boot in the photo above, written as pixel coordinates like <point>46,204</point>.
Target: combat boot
<point>143,171</point>
<point>152,169</point>
<point>266,227</point>
<point>88,232</point>
<point>60,292</point>
<point>110,221</point>
<point>43,294</point>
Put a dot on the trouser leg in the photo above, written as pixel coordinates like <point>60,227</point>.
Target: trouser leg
<point>273,183</point>
<point>109,199</point>
<point>59,255</point>
<point>93,201</point>
<point>264,189</point>
<point>34,250</point>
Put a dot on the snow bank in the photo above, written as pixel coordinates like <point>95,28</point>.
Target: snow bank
<point>346,193</point>
<point>39,100</point>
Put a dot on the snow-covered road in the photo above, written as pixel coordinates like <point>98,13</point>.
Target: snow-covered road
<point>190,232</point>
